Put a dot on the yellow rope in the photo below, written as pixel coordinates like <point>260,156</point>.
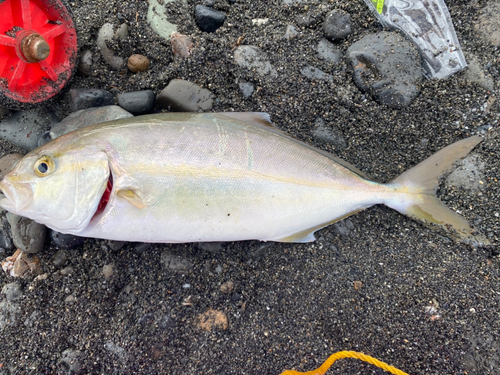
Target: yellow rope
<point>347,354</point>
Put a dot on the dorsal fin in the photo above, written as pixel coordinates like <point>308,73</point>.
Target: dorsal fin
<point>263,121</point>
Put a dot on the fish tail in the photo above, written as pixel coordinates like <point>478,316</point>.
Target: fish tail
<point>418,187</point>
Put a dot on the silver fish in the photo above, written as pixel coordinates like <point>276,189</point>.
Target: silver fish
<point>184,177</point>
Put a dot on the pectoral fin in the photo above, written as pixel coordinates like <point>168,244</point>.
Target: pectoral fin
<point>132,197</point>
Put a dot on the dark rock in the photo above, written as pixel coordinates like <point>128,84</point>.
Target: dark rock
<point>23,127</point>
<point>387,66</point>
<point>337,25</point>
<point>60,258</point>
<point>181,95</point>
<point>141,247</point>
<point>66,241</point>
<point>6,243</point>
<point>28,235</point>
<point>115,245</point>
<point>209,19</point>
<point>211,247</point>
<point>137,102</point>
<point>7,162</point>
<point>4,111</point>
<point>88,98</point>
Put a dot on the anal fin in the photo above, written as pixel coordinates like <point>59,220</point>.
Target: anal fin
<point>307,235</point>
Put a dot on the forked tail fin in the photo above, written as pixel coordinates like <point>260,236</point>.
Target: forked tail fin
<point>419,185</point>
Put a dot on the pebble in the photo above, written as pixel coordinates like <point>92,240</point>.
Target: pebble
<point>166,322</point>
<point>211,247</point>
<point>227,287</point>
<point>488,23</point>
<point>328,134</point>
<point>120,353</point>
<point>7,162</point>
<point>184,96</point>
<point>344,227</point>
<point>68,270</point>
<point>138,63</point>
<point>70,299</point>
<point>337,25</point>
<point>387,66</point>
<point>475,74</point>
<point>85,64</point>
<point>182,45</point>
<point>141,247</point>
<point>106,33</point>
<point>252,58</point>
<point>27,235</point>
<point>328,51</point>
<point>209,19</point>
<point>23,127</point>
<point>291,32</point>
<point>306,20</point>
<point>9,313</point>
<point>4,111</point>
<point>87,117</point>
<point>20,263</point>
<point>33,319</point>
<point>157,18</point>
<point>469,175</point>
<point>316,74</point>
<point>259,21</point>
<point>175,262</point>
<point>59,258</point>
<point>44,138</point>
<point>9,307</point>
<point>89,98</point>
<point>115,245</point>
<point>137,102</point>
<point>66,241</point>
<point>13,291</point>
<point>6,243</point>
<point>212,319</point>
<point>71,361</point>
<point>247,89</point>
<point>107,270</point>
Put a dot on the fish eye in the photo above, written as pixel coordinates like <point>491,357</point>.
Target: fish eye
<point>44,166</point>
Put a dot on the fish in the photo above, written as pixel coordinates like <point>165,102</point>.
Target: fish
<point>201,177</point>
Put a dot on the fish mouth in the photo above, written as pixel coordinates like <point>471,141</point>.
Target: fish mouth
<point>16,195</point>
<point>103,202</point>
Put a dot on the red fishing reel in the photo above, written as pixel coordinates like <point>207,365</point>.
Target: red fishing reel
<point>38,50</point>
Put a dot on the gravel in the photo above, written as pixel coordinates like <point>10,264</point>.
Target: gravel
<point>378,282</point>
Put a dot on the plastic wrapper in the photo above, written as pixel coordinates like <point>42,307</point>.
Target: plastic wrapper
<point>428,24</point>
